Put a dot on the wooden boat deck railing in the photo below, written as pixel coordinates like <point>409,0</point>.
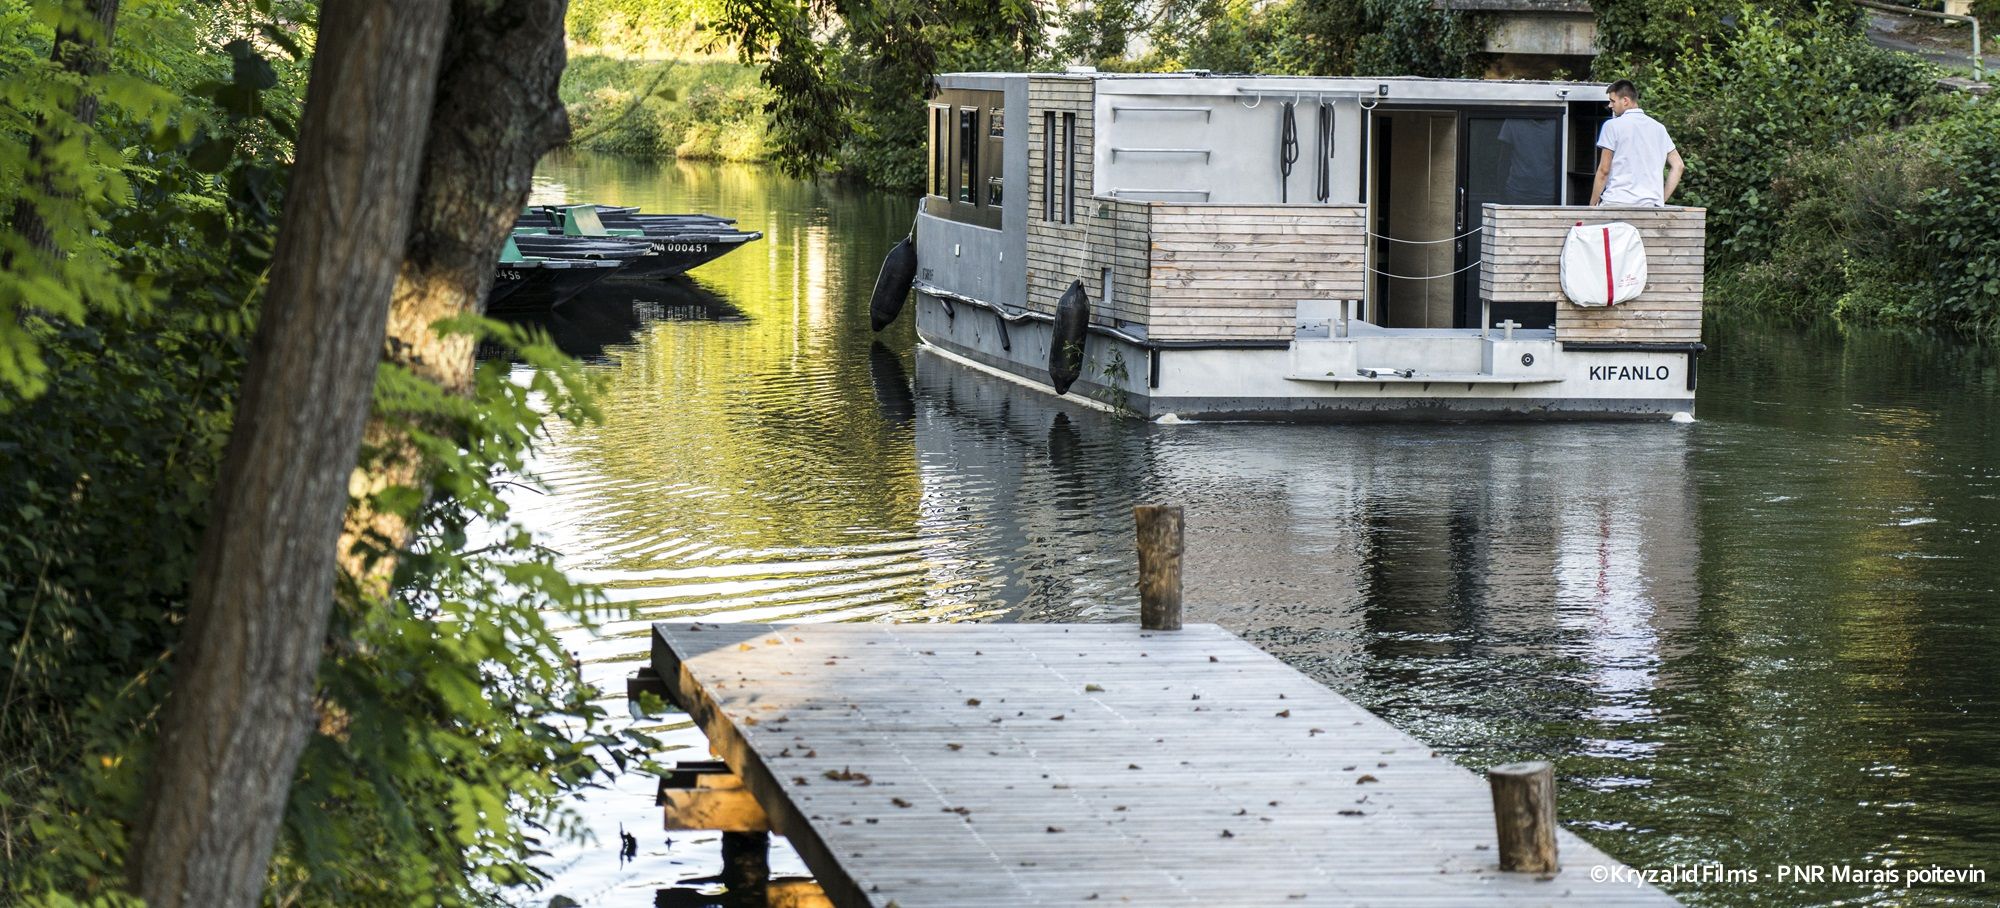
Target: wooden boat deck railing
<point>1520,257</point>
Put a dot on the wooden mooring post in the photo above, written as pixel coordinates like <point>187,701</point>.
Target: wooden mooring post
<point>1524,815</point>
<point>1161,539</point>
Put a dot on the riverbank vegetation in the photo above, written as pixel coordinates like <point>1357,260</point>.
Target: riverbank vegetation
<point>407,729</point>
<point>652,79</point>
<point>1839,178</point>
<point>697,108</point>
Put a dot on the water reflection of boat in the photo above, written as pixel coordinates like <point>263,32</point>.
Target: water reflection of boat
<point>1316,541</point>
<point>609,315</point>
<point>891,384</point>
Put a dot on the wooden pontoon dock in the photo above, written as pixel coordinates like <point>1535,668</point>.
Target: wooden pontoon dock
<point>1029,764</point>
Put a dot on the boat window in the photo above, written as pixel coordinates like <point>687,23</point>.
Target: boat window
<point>968,155</point>
<point>1069,169</point>
<point>1049,182</point>
<point>940,154</point>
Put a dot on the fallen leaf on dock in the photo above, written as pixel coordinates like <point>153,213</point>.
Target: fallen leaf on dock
<point>1315,731</point>
<point>1351,813</point>
<point>1284,714</point>
<point>1055,828</point>
<point>1228,835</point>
<point>899,802</point>
<point>972,701</point>
<point>1365,779</point>
<point>950,746</point>
<point>743,646</point>
<point>1092,689</point>
<point>844,774</point>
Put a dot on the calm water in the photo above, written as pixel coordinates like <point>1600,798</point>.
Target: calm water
<point>1765,638</point>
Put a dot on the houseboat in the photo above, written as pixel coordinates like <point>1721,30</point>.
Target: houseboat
<point>1196,246</point>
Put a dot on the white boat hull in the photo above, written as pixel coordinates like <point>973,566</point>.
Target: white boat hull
<point>1391,375</point>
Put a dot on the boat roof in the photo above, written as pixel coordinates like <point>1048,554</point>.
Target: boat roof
<point>1386,89</point>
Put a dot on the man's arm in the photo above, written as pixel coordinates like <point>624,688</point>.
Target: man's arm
<point>1674,170</point>
<point>1603,173</point>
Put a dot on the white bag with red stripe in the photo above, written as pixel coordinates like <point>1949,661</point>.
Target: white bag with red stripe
<point>1603,264</point>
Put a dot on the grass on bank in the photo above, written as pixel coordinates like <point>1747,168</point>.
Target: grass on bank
<point>705,109</point>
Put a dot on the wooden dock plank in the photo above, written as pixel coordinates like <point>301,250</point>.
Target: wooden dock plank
<point>1040,764</point>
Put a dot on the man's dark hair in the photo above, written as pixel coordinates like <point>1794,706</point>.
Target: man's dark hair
<point>1623,88</point>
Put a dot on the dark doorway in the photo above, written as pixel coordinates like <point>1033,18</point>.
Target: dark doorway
<point>1509,157</point>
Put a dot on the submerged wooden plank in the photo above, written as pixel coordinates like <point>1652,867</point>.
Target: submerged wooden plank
<point>1040,764</point>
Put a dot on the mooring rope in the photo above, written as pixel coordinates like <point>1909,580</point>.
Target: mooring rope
<point>1427,277</point>
<point>1449,239</point>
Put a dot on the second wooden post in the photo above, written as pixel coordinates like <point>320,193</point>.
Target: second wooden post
<point>1160,540</point>
<point>1524,815</point>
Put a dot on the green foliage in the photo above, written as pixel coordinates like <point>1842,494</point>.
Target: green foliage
<point>452,714</point>
<point>68,175</point>
<point>649,29</point>
<point>1216,35</point>
<point>853,101</point>
<point>689,108</point>
<point>453,726</point>
<point>1410,38</point>
<point>1890,228</point>
<point>1740,109</point>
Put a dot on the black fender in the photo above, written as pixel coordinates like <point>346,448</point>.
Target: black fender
<point>1066,346</point>
<point>892,284</point>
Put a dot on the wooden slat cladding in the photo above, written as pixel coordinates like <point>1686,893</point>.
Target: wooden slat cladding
<point>1522,252</point>
<point>1086,235</point>
<point>1237,272</point>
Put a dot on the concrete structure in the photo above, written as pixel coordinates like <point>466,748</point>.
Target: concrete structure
<point>1533,39</point>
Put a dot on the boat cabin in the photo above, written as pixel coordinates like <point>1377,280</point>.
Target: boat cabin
<point>1236,211</point>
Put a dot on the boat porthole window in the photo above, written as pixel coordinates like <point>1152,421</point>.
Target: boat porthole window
<point>1527,359</point>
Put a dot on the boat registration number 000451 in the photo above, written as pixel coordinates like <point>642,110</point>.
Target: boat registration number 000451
<point>686,247</point>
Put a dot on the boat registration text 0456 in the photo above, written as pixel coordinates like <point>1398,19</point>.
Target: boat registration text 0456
<point>1628,373</point>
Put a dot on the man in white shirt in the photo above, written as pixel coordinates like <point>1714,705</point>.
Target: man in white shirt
<point>1632,149</point>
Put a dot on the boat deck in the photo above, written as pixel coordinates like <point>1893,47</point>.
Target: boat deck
<point>1017,764</point>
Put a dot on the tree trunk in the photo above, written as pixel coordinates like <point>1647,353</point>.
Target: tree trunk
<point>497,113</point>
<point>83,46</point>
<point>240,705</point>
